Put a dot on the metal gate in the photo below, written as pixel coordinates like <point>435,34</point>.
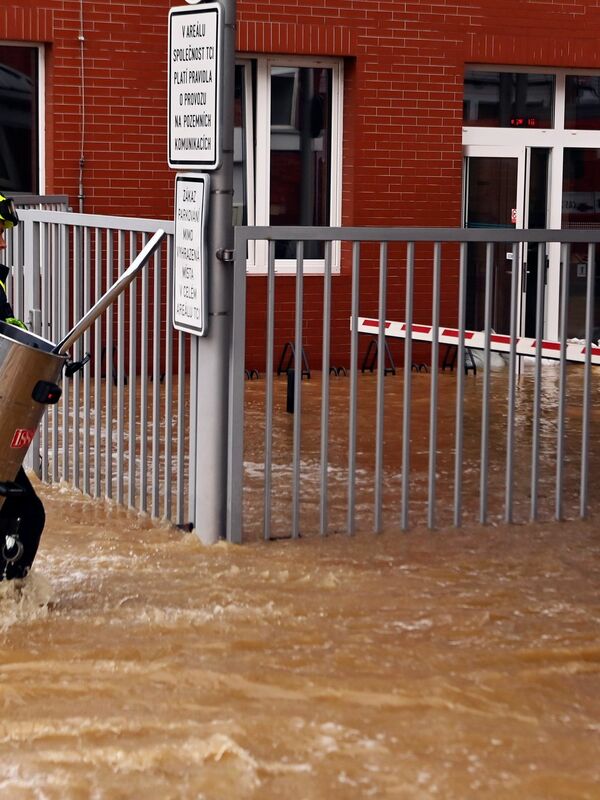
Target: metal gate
<point>120,430</point>
<point>400,510</point>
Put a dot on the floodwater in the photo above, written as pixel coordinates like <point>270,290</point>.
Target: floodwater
<point>137,663</point>
<point>500,504</point>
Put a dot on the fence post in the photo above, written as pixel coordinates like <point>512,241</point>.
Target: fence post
<point>28,266</point>
<point>208,453</point>
<point>235,456</point>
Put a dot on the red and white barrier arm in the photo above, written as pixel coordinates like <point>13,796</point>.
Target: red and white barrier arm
<point>499,342</point>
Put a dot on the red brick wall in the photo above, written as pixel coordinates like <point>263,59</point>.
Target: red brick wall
<point>402,121</point>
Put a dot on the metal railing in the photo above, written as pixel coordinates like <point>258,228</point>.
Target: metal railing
<point>43,202</point>
<point>401,510</point>
<point>17,237</point>
<point>120,428</point>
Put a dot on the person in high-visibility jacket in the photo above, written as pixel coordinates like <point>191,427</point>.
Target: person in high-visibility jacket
<point>22,516</point>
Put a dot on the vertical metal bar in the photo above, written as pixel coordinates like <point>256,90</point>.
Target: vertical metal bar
<point>560,444</point>
<point>168,407</point>
<point>32,296</point>
<point>76,380</point>
<point>86,372</point>
<point>433,410</point>
<point>235,470</point>
<point>192,442</point>
<point>297,391</point>
<point>98,367</point>
<point>587,373</point>
<point>67,390</point>
<point>144,430</point>
<point>19,242</point>
<point>132,422</point>
<point>108,363</point>
<point>351,521</point>
<point>325,359</point>
<point>156,390</point>
<point>379,414</point>
<point>406,403</point>
<point>56,333</point>
<point>180,471</point>
<point>537,388</point>
<point>120,376</point>
<point>460,386</point>
<point>512,380</point>
<point>268,484</point>
<point>46,315</point>
<point>485,402</point>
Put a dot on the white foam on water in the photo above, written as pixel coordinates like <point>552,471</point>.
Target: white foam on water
<point>25,600</point>
<point>245,770</point>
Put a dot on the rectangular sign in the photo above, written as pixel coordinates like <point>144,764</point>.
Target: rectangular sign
<point>195,86</point>
<point>189,280</point>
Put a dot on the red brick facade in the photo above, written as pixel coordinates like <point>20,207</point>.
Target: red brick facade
<point>403,90</point>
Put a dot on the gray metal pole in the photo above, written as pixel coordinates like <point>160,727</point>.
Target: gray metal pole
<point>212,351</point>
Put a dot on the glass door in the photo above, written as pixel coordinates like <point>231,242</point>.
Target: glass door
<point>537,160</point>
<point>580,211</point>
<point>492,200</point>
<point>505,188</point>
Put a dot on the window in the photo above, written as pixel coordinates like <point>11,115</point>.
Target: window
<point>582,102</point>
<point>287,151</point>
<point>19,146</point>
<point>508,99</point>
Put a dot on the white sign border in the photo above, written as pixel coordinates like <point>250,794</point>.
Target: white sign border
<point>205,181</point>
<point>189,164</point>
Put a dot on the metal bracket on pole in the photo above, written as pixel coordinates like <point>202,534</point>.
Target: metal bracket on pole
<point>224,255</point>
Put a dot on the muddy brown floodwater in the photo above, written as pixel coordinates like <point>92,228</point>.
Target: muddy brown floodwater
<point>137,663</point>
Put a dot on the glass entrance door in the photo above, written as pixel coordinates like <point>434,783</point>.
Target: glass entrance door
<point>504,188</point>
<point>537,160</point>
<point>491,184</point>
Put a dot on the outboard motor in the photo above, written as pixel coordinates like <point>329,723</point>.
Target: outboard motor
<point>30,374</point>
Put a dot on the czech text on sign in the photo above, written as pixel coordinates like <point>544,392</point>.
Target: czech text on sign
<point>189,284</point>
<point>195,86</point>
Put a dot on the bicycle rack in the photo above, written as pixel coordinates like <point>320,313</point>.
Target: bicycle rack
<point>288,349</point>
<point>371,357</point>
<point>450,356</point>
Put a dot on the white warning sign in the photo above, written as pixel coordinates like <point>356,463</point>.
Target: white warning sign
<point>189,280</point>
<point>194,103</point>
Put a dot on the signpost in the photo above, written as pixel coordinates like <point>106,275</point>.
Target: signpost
<point>201,60</point>
<point>195,86</point>
<point>189,280</point>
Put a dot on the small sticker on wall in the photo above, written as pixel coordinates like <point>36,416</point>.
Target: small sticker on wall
<point>513,216</point>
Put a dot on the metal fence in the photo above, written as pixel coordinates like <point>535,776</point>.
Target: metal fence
<point>120,428</point>
<point>541,430</point>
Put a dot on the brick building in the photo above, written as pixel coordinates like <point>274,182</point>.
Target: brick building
<point>355,113</point>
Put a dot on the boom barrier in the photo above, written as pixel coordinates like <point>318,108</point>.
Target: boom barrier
<point>574,351</point>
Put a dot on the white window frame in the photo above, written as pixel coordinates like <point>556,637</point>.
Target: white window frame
<point>503,141</point>
<point>41,100</point>
<point>258,207</point>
